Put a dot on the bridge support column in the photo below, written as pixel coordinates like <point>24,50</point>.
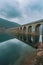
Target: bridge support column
<point>33,34</point>
<point>23,33</point>
<point>27,34</point>
<point>42,33</point>
<point>37,34</point>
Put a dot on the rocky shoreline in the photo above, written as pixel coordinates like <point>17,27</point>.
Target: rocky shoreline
<point>38,59</point>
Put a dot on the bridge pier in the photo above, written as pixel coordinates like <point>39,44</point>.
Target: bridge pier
<point>42,33</point>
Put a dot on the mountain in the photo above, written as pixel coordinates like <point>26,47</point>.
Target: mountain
<point>7,24</point>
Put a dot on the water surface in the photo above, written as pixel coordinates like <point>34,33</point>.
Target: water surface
<point>4,37</point>
<point>14,52</point>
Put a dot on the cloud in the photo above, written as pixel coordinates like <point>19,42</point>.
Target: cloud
<point>36,6</point>
<point>21,11</point>
<point>10,11</point>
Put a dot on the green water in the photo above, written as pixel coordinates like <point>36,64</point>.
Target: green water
<point>13,51</point>
<point>4,37</point>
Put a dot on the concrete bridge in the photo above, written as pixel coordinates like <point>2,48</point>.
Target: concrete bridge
<point>31,33</point>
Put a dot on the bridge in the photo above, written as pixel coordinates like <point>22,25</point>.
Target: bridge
<point>31,33</point>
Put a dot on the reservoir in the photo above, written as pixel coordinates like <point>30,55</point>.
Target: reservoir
<point>14,51</point>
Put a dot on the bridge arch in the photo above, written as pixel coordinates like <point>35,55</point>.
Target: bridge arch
<point>20,35</point>
<point>38,33</point>
<point>17,31</point>
<point>24,33</point>
<point>17,28</point>
<point>20,28</point>
<point>29,29</point>
<point>24,29</point>
<point>29,33</point>
<point>37,28</point>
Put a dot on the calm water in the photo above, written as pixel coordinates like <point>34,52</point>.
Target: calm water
<point>4,37</point>
<point>13,51</point>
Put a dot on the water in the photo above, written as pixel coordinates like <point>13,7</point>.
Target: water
<point>4,37</point>
<point>13,51</point>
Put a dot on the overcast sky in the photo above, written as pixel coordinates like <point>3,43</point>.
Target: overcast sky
<point>21,11</point>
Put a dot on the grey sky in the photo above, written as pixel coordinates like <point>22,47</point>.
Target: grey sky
<point>21,11</point>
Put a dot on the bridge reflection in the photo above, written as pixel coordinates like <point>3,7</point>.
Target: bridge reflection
<point>26,38</point>
<point>30,33</point>
<point>32,37</point>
